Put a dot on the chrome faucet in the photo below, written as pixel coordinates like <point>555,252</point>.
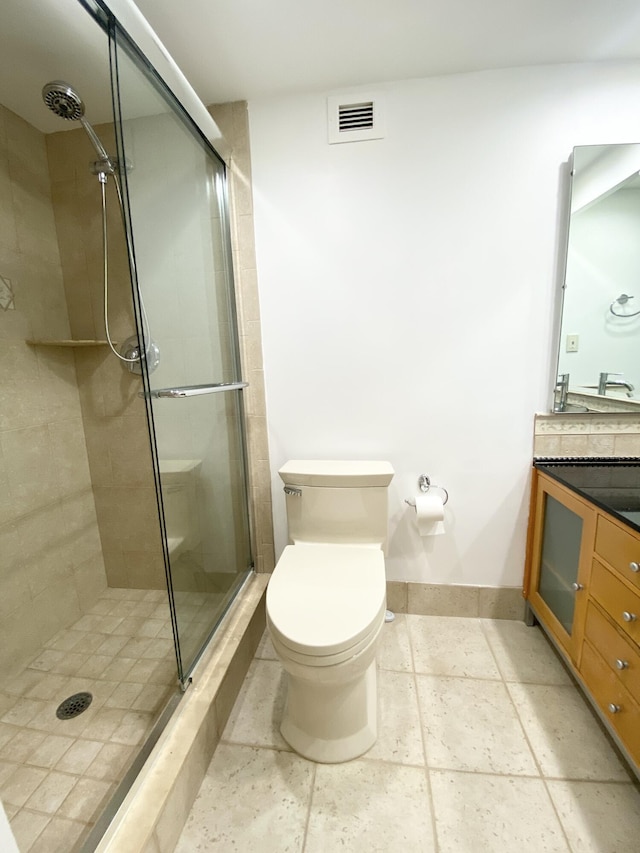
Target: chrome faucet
<point>561,392</point>
<point>605,383</point>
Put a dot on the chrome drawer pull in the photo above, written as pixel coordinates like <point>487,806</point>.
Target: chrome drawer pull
<point>576,587</point>
<point>622,664</point>
<point>629,617</point>
<point>615,709</point>
<point>635,567</point>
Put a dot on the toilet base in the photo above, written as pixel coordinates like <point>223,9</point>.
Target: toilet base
<point>331,723</point>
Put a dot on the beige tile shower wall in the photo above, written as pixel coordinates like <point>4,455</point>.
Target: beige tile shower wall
<point>113,414</point>
<point>51,567</point>
<point>587,435</point>
<point>233,121</point>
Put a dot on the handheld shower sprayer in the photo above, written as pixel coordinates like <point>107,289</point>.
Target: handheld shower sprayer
<point>63,100</point>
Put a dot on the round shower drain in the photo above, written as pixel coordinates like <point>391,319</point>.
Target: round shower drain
<point>73,706</point>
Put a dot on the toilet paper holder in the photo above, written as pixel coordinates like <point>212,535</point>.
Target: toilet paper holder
<point>424,484</point>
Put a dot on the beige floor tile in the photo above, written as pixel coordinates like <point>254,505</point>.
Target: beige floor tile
<point>19,786</point>
<point>94,666</point>
<point>251,800</point>
<point>85,799</point>
<point>124,695</point>
<point>90,644</point>
<point>7,733</point>
<point>394,648</point>
<point>136,647</point>
<point>370,806</point>
<point>46,661</point>
<point>50,751</point>
<point>566,739</point>
<point>470,724</point>
<point>494,814</point>
<point>399,730</point>
<point>112,645</point>
<point>132,728</point>
<point>151,627</point>
<point>110,761</point>
<point>6,703</point>
<point>24,711</point>
<point>26,827</point>
<point>20,684</point>
<point>445,645</point>
<point>265,650</point>
<point>47,687</point>
<point>120,669</point>
<point>7,768</point>
<point>524,654</point>
<point>51,792</point>
<point>257,712</point>
<point>22,745</point>
<point>104,723</point>
<point>151,698</point>
<point>66,640</point>
<point>59,836</point>
<point>79,756</point>
<point>598,817</point>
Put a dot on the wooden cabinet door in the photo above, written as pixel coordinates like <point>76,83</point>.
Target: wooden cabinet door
<point>560,561</point>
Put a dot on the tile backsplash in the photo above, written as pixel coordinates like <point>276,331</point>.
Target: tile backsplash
<point>587,435</point>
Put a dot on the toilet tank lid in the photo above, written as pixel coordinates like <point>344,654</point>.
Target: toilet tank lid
<point>336,473</point>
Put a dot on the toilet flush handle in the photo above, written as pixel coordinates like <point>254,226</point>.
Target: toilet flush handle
<point>291,490</point>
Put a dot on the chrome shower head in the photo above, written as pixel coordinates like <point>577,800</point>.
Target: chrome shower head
<point>63,100</point>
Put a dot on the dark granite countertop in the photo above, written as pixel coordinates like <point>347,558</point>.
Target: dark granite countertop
<point>611,483</point>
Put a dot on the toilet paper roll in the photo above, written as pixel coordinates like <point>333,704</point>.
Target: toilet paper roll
<point>429,515</point>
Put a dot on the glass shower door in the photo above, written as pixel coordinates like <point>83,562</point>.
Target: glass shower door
<point>191,375</point>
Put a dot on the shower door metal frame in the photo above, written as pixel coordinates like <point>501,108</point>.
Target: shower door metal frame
<point>119,39</point>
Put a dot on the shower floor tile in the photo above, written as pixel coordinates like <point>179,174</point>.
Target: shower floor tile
<point>56,775</point>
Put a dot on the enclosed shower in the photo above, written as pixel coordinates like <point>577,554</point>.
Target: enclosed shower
<point>124,512</point>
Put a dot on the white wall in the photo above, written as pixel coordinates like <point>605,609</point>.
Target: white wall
<point>408,286</point>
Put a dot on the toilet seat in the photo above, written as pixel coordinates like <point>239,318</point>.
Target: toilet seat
<point>325,603</point>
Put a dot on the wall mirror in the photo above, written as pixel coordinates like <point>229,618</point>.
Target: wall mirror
<point>599,347</point>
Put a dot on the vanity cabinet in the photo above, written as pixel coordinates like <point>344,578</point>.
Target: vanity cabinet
<point>562,548</point>
<point>585,592</point>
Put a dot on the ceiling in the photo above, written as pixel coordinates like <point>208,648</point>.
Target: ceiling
<point>247,49</point>
<point>244,49</point>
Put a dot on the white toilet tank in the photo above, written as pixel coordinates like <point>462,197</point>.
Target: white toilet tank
<point>337,502</point>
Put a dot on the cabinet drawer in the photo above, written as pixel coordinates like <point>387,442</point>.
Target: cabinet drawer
<point>615,650</point>
<point>619,548</point>
<point>607,690</point>
<point>616,599</point>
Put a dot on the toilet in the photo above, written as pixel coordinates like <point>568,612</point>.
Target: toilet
<point>326,604</point>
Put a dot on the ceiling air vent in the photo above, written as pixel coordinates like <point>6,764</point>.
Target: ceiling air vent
<point>353,118</point>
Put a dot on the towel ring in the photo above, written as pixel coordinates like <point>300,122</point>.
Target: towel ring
<point>622,300</point>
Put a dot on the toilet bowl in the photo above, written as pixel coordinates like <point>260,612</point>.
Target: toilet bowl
<point>326,606</point>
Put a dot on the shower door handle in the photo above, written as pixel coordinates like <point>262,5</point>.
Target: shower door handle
<point>194,390</point>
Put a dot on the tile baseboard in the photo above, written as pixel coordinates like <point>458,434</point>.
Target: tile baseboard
<point>432,599</point>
